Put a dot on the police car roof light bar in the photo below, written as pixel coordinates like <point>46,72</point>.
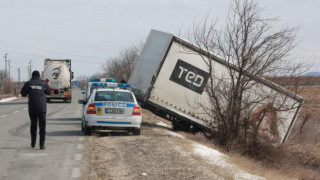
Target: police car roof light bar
<point>102,80</point>
<point>112,85</point>
<point>124,85</point>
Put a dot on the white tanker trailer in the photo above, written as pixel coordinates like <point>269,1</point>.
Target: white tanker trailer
<point>58,75</point>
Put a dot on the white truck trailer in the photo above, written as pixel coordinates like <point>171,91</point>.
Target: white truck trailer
<point>58,75</point>
<point>170,76</point>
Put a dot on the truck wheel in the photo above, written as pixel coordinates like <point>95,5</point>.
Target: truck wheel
<point>136,131</point>
<point>199,134</point>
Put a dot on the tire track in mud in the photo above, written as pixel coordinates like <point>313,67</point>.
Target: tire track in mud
<point>55,110</point>
<point>18,131</point>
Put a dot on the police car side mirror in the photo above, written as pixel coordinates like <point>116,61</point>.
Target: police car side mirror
<point>81,101</point>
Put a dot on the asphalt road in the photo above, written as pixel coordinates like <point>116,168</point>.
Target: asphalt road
<point>62,157</point>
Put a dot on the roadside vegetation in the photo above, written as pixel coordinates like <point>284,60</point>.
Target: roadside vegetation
<point>110,155</point>
<point>118,67</point>
<point>252,46</point>
<point>7,86</point>
<point>250,43</point>
<point>243,112</point>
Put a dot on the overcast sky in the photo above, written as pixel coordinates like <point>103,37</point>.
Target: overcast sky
<point>91,31</point>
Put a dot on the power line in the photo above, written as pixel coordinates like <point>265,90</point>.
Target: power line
<point>56,52</point>
<point>48,57</point>
<point>55,41</point>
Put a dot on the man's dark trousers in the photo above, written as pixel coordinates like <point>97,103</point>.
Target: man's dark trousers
<point>34,117</point>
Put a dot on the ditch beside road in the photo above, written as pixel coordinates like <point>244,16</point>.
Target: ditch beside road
<point>158,153</point>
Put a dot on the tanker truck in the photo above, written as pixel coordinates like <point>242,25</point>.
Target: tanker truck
<point>58,75</point>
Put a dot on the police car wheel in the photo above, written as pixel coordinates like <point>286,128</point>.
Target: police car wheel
<point>87,130</point>
<point>137,131</point>
<point>82,128</point>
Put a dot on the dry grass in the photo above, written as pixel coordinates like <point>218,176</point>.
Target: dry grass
<point>292,161</point>
<point>299,158</point>
<point>311,104</point>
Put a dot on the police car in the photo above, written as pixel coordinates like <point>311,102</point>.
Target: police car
<point>93,85</point>
<point>113,107</point>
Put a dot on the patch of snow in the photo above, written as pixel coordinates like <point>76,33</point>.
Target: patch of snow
<point>182,151</point>
<point>175,134</point>
<point>8,99</point>
<point>160,123</point>
<point>244,175</point>
<point>214,157</point>
<point>187,154</point>
<point>170,133</point>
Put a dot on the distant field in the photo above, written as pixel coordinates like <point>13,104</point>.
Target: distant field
<point>299,81</point>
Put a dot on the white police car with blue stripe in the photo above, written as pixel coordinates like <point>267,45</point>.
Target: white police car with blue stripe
<point>111,108</point>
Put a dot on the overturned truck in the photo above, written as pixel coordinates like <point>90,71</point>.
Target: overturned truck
<point>170,78</point>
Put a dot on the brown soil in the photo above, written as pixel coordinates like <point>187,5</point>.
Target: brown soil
<point>154,154</point>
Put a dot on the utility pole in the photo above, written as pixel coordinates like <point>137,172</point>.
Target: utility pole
<point>5,65</point>
<point>9,66</point>
<point>19,76</point>
<point>28,72</point>
<point>30,69</point>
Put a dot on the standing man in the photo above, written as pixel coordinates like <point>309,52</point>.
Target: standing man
<point>37,90</point>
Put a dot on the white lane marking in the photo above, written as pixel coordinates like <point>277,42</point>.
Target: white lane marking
<point>80,146</point>
<point>16,112</point>
<point>81,138</point>
<point>3,116</point>
<point>33,154</point>
<point>75,172</point>
<point>78,157</point>
<point>25,108</point>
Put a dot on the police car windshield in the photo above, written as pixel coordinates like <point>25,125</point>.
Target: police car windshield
<point>113,96</point>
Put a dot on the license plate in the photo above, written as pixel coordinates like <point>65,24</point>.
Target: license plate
<point>114,111</point>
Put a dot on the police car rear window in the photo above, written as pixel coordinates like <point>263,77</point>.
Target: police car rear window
<point>95,87</point>
<point>113,96</point>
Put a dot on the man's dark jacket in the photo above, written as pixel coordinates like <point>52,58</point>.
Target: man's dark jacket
<point>37,90</point>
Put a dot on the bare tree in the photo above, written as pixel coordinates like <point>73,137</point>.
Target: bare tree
<point>6,84</point>
<point>83,80</point>
<point>2,80</point>
<point>120,67</point>
<point>242,109</point>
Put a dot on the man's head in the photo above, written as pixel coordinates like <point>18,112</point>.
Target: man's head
<point>35,74</point>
